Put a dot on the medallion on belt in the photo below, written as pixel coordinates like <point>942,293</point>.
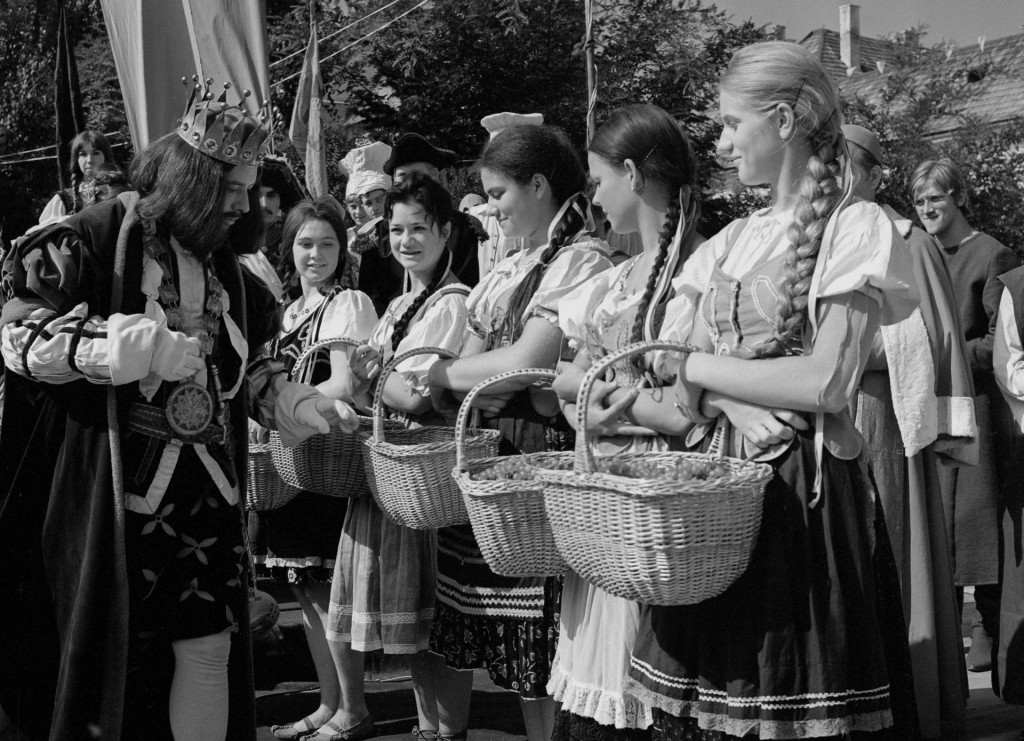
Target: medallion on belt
<point>189,409</point>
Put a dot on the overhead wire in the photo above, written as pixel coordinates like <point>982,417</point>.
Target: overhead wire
<point>335,33</point>
<point>349,46</point>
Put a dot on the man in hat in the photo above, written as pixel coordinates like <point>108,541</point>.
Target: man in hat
<point>372,269</point>
<point>279,191</point>
<point>908,487</point>
<point>125,336</point>
<point>413,153</point>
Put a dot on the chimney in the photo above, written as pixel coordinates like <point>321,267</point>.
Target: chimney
<point>849,36</point>
<point>778,32</point>
<point>910,38</point>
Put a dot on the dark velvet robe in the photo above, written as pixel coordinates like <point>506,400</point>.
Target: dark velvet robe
<point>64,620</point>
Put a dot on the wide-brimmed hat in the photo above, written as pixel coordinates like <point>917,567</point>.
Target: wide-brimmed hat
<point>412,147</point>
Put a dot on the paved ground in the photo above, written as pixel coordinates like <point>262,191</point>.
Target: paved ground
<point>286,691</point>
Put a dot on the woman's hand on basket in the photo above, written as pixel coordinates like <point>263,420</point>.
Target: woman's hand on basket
<point>568,381</point>
<point>365,364</point>
<point>491,405</point>
<point>604,420</point>
<point>762,426</point>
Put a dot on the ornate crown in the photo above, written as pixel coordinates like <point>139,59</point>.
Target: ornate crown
<point>220,130</point>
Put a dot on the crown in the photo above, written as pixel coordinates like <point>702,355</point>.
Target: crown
<point>228,133</point>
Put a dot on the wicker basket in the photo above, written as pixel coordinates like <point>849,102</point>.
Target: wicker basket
<point>330,464</point>
<point>654,541</point>
<point>410,473</point>
<point>266,489</point>
<point>508,517</point>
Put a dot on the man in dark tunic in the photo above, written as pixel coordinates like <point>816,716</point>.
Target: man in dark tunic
<point>971,495</point>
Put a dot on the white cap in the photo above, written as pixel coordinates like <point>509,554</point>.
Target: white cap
<point>498,121</point>
<point>363,165</point>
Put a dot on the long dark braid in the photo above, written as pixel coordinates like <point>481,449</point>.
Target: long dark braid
<point>76,196</point>
<point>436,203</point>
<point>656,145</point>
<point>519,153</point>
<point>668,232</point>
<point>401,327</point>
<point>573,221</point>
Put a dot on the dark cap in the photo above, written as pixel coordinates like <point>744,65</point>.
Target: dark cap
<point>276,174</point>
<point>414,148</point>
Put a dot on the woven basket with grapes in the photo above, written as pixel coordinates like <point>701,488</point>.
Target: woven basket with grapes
<point>410,472</point>
<point>664,528</point>
<point>505,500</point>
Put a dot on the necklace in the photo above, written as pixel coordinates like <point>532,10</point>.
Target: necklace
<point>190,406</point>
<point>295,314</point>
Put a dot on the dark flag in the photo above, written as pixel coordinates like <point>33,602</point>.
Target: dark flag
<point>67,98</point>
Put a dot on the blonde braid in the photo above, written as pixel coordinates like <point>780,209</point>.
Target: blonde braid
<point>819,194</point>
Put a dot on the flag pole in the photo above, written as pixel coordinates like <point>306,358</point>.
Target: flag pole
<point>588,46</point>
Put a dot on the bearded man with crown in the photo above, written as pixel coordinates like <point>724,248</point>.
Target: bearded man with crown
<point>126,337</point>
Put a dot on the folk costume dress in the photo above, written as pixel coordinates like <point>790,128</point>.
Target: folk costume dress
<point>301,538</point>
<point>908,487</point>
<point>385,575</point>
<point>597,629</point>
<point>118,534</point>
<point>509,625</point>
<point>798,646</point>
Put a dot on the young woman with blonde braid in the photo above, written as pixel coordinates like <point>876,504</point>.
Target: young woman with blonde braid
<point>534,182</point>
<point>807,642</point>
<point>645,175</point>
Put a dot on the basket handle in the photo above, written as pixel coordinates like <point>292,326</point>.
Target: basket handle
<point>378,394</point>
<point>467,404</point>
<point>584,456</point>
<point>306,354</point>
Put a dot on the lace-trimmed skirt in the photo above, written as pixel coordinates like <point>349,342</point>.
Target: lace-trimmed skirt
<point>809,642</point>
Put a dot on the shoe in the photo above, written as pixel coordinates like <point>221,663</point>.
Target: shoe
<point>979,658</point>
<point>292,732</point>
<point>427,735</point>
<point>365,728</point>
<point>454,737</point>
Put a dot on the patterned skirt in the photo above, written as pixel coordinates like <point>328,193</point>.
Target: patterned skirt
<point>809,642</point>
<point>298,542</point>
<point>382,593</point>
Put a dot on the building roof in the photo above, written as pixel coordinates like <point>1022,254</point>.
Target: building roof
<point>996,90</point>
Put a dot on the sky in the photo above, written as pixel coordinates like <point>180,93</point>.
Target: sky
<point>961,21</point>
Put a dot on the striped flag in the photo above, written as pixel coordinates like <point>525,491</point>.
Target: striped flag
<point>305,131</point>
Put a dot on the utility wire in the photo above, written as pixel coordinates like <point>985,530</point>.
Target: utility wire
<point>346,48</point>
<point>335,33</point>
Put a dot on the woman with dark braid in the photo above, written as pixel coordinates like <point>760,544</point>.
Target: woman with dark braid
<point>382,595</point>
<point>534,182</point>
<point>643,168</point>
<point>89,150</point>
<point>809,641</point>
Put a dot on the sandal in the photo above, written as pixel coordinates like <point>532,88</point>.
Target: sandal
<point>426,735</point>
<point>364,729</point>
<point>292,732</point>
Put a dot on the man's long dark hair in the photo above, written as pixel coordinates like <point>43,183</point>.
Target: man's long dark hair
<point>183,190</point>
